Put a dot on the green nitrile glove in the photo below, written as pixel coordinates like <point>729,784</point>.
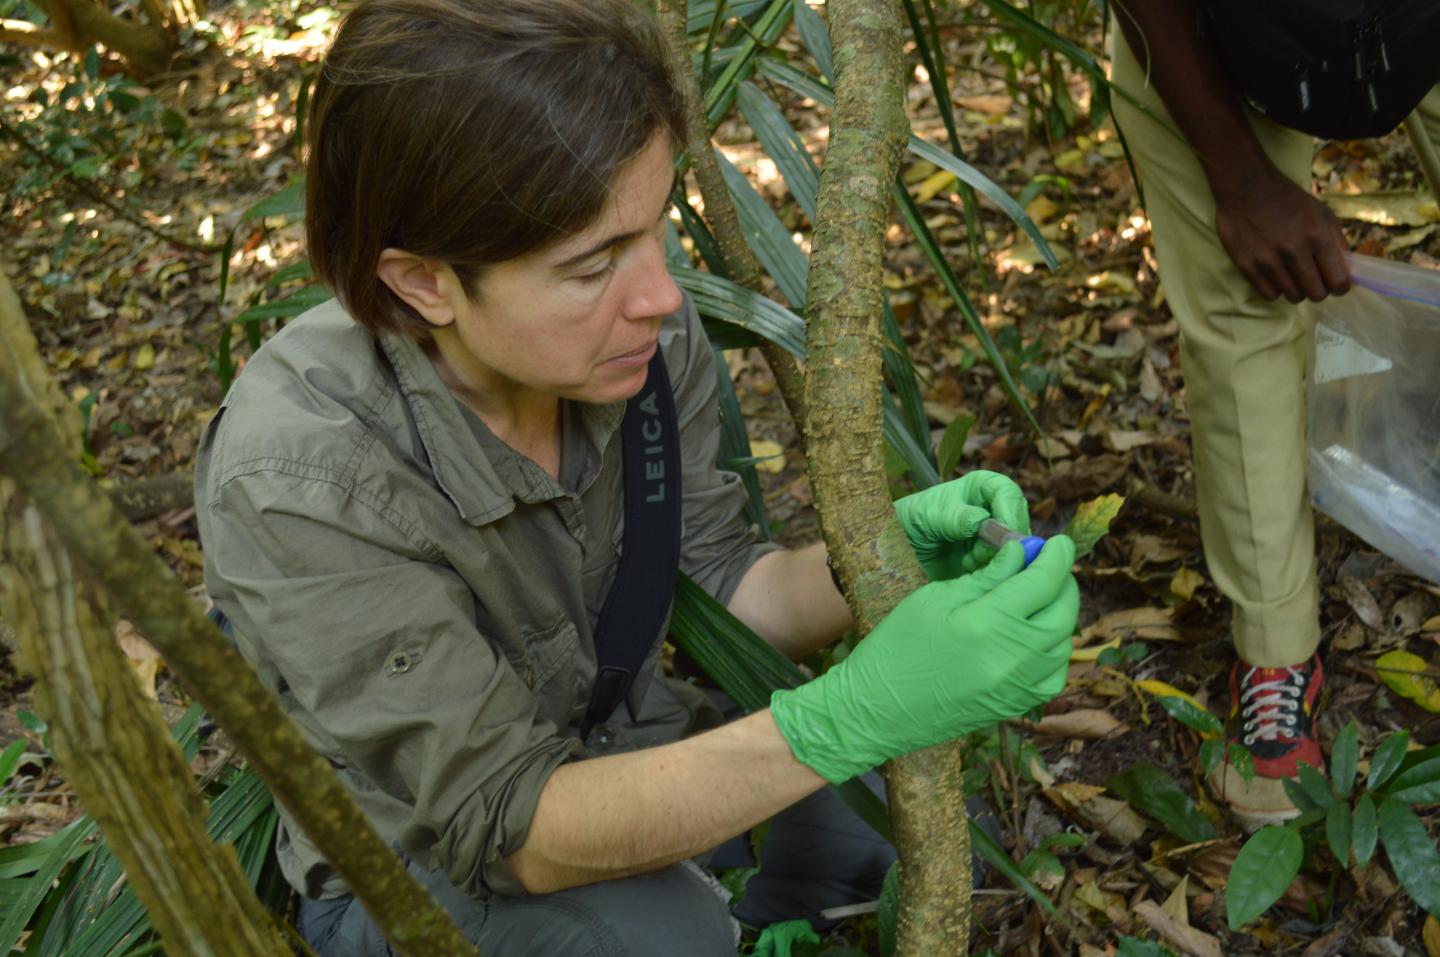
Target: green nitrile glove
<point>941,521</point>
<point>952,657</point>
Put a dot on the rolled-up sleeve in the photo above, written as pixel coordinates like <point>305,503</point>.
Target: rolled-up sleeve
<point>370,640</point>
<point>719,544</point>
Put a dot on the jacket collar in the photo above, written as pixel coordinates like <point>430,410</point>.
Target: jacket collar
<point>461,467</point>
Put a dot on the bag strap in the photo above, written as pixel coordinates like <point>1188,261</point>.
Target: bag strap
<point>644,587</point>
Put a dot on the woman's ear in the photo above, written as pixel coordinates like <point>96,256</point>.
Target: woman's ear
<point>421,283</point>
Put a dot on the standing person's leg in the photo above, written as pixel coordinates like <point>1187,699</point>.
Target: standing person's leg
<point>1244,365</point>
<point>678,910</point>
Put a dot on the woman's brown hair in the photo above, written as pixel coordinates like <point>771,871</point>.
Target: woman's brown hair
<point>471,132</point>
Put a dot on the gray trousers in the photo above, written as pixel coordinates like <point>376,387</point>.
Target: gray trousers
<point>817,854</point>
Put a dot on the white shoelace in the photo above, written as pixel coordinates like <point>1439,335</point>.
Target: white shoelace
<point>1269,707</point>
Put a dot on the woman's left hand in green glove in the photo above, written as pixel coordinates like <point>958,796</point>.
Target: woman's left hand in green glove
<point>941,522</point>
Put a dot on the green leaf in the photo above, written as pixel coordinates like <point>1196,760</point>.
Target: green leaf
<point>10,759</point>
<point>994,855</point>
<point>1363,832</point>
<point>952,443</point>
<point>1315,786</point>
<point>301,300</point>
<point>1412,853</point>
<point>1388,756</point>
<point>1262,870</point>
<point>1416,785</point>
<point>1197,719</point>
<point>887,915</point>
<point>782,144</point>
<point>1153,792</point>
<point>1343,755</point>
<point>92,63</point>
<point>735,443</point>
<point>288,202</point>
<point>33,723</point>
<point>1339,830</point>
<point>1212,752</point>
<point>1040,860</point>
<point>18,914</point>
<point>816,37</point>
<point>1135,947</point>
<point>1092,522</point>
<point>722,300</point>
<point>766,236</point>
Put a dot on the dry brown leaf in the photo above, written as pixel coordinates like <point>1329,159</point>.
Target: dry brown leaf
<point>1351,637</point>
<point>1154,550</point>
<point>1123,440</point>
<point>1088,723</point>
<point>1087,805</point>
<point>143,657</point>
<point>1147,623</point>
<point>1176,905</point>
<point>1358,597</point>
<point>1433,625</point>
<point>1185,583</point>
<point>991,104</point>
<point>771,455</point>
<point>1186,939</point>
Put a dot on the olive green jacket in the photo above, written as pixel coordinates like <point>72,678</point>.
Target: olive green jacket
<point>422,598</point>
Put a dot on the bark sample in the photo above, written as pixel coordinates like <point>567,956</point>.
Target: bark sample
<point>36,457</point>
<point>844,349</point>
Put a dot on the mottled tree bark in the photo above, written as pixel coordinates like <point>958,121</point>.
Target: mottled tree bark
<point>112,742</point>
<point>37,457</point>
<point>844,347</point>
<point>744,268</point>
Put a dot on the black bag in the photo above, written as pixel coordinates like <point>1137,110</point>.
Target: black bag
<point>1337,69</point>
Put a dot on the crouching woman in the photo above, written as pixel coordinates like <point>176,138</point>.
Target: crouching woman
<point>413,510</point>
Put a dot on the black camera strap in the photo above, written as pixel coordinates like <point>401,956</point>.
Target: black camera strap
<point>639,601</point>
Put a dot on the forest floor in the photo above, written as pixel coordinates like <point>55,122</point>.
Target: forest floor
<point>124,297</point>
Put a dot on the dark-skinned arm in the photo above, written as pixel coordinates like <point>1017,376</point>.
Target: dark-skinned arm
<point>1285,241</point>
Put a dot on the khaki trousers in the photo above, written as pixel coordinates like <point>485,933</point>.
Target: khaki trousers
<point>1244,362</point>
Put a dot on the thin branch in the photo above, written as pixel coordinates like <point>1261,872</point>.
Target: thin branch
<point>739,260</point>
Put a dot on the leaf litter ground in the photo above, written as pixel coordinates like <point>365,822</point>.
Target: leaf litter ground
<point>130,324</point>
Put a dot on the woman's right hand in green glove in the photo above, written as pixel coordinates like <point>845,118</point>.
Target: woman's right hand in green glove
<point>952,657</point>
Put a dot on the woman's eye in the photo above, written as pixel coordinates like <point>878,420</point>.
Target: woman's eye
<point>600,273</point>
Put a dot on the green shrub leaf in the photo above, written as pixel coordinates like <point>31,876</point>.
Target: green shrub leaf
<point>1363,830</point>
<point>1412,853</point>
<point>1338,829</point>
<point>1417,785</point>
<point>1343,755</point>
<point>1387,758</point>
<point>1153,792</point>
<point>1316,788</point>
<point>1263,869</point>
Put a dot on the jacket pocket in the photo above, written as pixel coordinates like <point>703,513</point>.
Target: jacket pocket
<point>547,665</point>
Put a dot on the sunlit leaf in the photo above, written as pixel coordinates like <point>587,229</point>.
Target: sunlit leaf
<point>1404,673</point>
<point>1183,708</point>
<point>1092,522</point>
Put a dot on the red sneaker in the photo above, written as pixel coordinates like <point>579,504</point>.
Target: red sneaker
<point>1272,715</point>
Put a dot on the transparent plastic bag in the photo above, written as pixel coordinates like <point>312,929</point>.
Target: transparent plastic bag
<point>1374,411</point>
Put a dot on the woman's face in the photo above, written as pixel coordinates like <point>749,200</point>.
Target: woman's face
<point>579,319</point>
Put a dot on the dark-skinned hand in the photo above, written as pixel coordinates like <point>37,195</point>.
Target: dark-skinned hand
<point>1285,241</point>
